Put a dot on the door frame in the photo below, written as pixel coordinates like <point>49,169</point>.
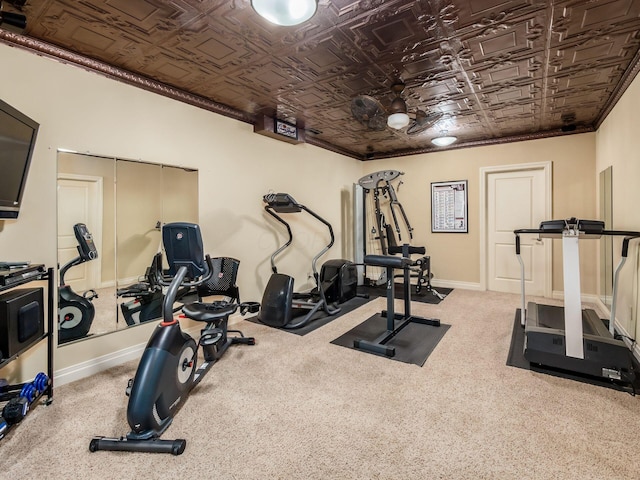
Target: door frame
<point>94,269</point>
<point>546,167</point>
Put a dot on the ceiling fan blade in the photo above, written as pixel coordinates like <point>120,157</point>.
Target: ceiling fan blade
<point>423,122</point>
<point>369,112</point>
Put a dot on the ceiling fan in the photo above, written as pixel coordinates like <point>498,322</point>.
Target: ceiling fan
<point>370,112</point>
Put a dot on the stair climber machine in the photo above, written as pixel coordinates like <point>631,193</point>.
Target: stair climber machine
<point>168,369</point>
<point>336,283</point>
<point>76,312</point>
<point>571,338</point>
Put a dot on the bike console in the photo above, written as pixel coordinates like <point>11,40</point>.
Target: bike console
<point>86,247</point>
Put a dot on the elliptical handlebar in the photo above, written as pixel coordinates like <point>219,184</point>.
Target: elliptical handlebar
<point>327,247</point>
<point>285,203</point>
<point>270,211</point>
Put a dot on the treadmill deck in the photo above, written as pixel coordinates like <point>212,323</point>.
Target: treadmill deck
<point>604,356</point>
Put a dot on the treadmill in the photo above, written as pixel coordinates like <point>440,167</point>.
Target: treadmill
<point>571,338</point>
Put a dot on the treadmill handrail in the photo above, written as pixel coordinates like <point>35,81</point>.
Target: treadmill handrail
<point>629,233</point>
<point>628,236</point>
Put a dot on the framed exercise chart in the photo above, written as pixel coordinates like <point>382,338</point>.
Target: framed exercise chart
<point>449,209</point>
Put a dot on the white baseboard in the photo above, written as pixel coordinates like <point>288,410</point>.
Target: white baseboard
<point>454,284</point>
<point>585,298</point>
<point>105,362</point>
<point>99,364</point>
<point>96,365</point>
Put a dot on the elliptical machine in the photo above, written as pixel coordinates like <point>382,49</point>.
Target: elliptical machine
<point>76,312</point>
<point>280,306</point>
<point>168,369</point>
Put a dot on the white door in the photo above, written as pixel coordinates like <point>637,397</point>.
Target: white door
<point>516,199</point>
<point>78,202</point>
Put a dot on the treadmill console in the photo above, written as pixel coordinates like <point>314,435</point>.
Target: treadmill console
<point>587,227</point>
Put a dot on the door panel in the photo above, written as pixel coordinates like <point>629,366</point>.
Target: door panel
<point>76,204</point>
<point>515,199</point>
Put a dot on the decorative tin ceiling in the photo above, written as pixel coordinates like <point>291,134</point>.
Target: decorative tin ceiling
<point>491,71</point>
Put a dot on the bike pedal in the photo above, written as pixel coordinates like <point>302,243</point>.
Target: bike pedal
<point>211,338</point>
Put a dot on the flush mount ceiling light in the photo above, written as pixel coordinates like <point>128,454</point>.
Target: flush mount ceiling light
<point>398,117</point>
<point>285,12</point>
<point>444,140</point>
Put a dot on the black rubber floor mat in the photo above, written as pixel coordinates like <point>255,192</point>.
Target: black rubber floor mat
<point>320,319</point>
<point>413,344</point>
<point>424,296</point>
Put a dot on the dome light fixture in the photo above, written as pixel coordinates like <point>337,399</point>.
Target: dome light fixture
<point>444,140</point>
<point>398,117</point>
<point>285,13</point>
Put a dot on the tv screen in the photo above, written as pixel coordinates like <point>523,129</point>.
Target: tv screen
<point>17,140</point>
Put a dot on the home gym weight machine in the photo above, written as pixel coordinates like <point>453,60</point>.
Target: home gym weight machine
<point>168,369</point>
<point>336,283</point>
<point>571,338</point>
<point>76,312</point>
<point>388,236</point>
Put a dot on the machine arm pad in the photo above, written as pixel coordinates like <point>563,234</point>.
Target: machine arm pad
<point>387,261</point>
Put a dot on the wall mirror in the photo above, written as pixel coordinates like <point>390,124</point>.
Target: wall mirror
<point>606,243</point>
<point>123,204</point>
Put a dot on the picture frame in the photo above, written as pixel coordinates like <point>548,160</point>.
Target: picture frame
<point>449,207</point>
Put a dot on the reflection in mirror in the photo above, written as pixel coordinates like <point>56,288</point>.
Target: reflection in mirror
<point>86,195</point>
<point>148,196</point>
<point>123,205</point>
<point>606,242</point>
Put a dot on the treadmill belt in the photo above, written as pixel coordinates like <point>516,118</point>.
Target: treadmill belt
<point>551,316</point>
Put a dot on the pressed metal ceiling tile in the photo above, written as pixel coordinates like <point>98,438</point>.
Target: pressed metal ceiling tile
<point>494,70</point>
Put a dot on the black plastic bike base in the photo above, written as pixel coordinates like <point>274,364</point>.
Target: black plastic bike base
<point>123,444</point>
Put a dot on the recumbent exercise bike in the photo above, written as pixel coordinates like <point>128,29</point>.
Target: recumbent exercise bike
<point>76,312</point>
<point>168,369</point>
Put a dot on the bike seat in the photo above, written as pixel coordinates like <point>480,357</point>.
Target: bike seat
<point>209,312</point>
<point>132,290</point>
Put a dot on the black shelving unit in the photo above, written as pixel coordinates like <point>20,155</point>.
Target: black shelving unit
<point>49,276</point>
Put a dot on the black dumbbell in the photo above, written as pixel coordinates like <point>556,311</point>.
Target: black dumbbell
<point>15,410</point>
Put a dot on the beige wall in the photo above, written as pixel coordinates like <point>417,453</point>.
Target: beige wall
<point>456,257</point>
<point>618,146</point>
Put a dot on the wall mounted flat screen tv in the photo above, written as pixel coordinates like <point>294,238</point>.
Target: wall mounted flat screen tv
<point>17,140</point>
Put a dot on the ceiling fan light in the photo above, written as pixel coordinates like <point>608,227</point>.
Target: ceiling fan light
<point>398,120</point>
<point>444,141</point>
<point>285,12</point>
